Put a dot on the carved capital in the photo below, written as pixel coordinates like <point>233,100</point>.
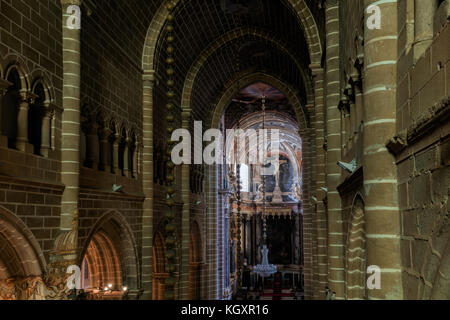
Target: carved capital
<point>28,97</point>
<point>105,133</point>
<point>4,85</point>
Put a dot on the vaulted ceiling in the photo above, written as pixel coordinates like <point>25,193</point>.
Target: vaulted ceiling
<point>268,37</point>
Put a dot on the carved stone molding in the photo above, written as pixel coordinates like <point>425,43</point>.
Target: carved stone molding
<point>433,118</point>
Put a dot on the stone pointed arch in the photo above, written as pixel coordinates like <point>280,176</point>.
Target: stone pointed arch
<point>300,7</point>
<point>16,62</point>
<point>356,252</point>
<point>249,77</point>
<point>229,37</point>
<point>213,216</point>
<point>120,235</point>
<point>28,253</point>
<point>42,76</point>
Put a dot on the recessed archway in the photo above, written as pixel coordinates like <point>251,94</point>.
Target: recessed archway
<point>215,216</point>
<point>20,256</point>
<point>356,253</point>
<point>109,260</point>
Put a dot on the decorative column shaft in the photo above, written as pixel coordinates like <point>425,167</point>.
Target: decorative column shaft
<point>126,158</point>
<point>185,223</point>
<point>115,156</point>
<point>22,121</point>
<point>70,155</point>
<point>92,146</point>
<point>315,227</point>
<point>380,172</point>
<point>135,159</point>
<point>336,275</point>
<point>147,185</point>
<point>104,150</point>
<point>170,236</point>
<point>46,132</point>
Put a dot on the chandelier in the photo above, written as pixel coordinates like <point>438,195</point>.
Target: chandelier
<point>264,269</point>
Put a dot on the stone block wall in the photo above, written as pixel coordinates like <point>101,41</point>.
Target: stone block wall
<point>37,204</point>
<point>30,34</point>
<point>32,30</point>
<point>423,164</point>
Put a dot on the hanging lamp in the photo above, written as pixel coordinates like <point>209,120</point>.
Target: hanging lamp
<point>264,269</point>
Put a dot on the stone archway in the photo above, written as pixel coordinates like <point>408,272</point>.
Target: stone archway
<point>311,34</point>
<point>213,218</point>
<point>110,255</point>
<point>101,267</point>
<point>226,38</point>
<point>356,253</point>
<point>21,259</point>
<point>300,7</point>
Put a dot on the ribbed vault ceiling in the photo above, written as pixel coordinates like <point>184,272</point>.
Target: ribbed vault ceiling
<point>199,23</point>
<point>255,54</point>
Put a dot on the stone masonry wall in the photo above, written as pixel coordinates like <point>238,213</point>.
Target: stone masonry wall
<point>424,165</point>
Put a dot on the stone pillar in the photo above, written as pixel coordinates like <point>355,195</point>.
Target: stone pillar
<point>70,155</point>
<point>380,172</point>
<point>336,273</point>
<point>104,150</point>
<point>185,218</point>
<point>4,85</point>
<point>213,217</point>
<point>46,131</point>
<point>424,11</point>
<point>147,185</point>
<point>92,148</point>
<point>115,166</point>
<point>22,122</point>
<point>315,227</point>
<point>135,158</point>
<point>126,159</point>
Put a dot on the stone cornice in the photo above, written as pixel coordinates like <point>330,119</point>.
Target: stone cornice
<point>434,117</point>
<point>4,85</point>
